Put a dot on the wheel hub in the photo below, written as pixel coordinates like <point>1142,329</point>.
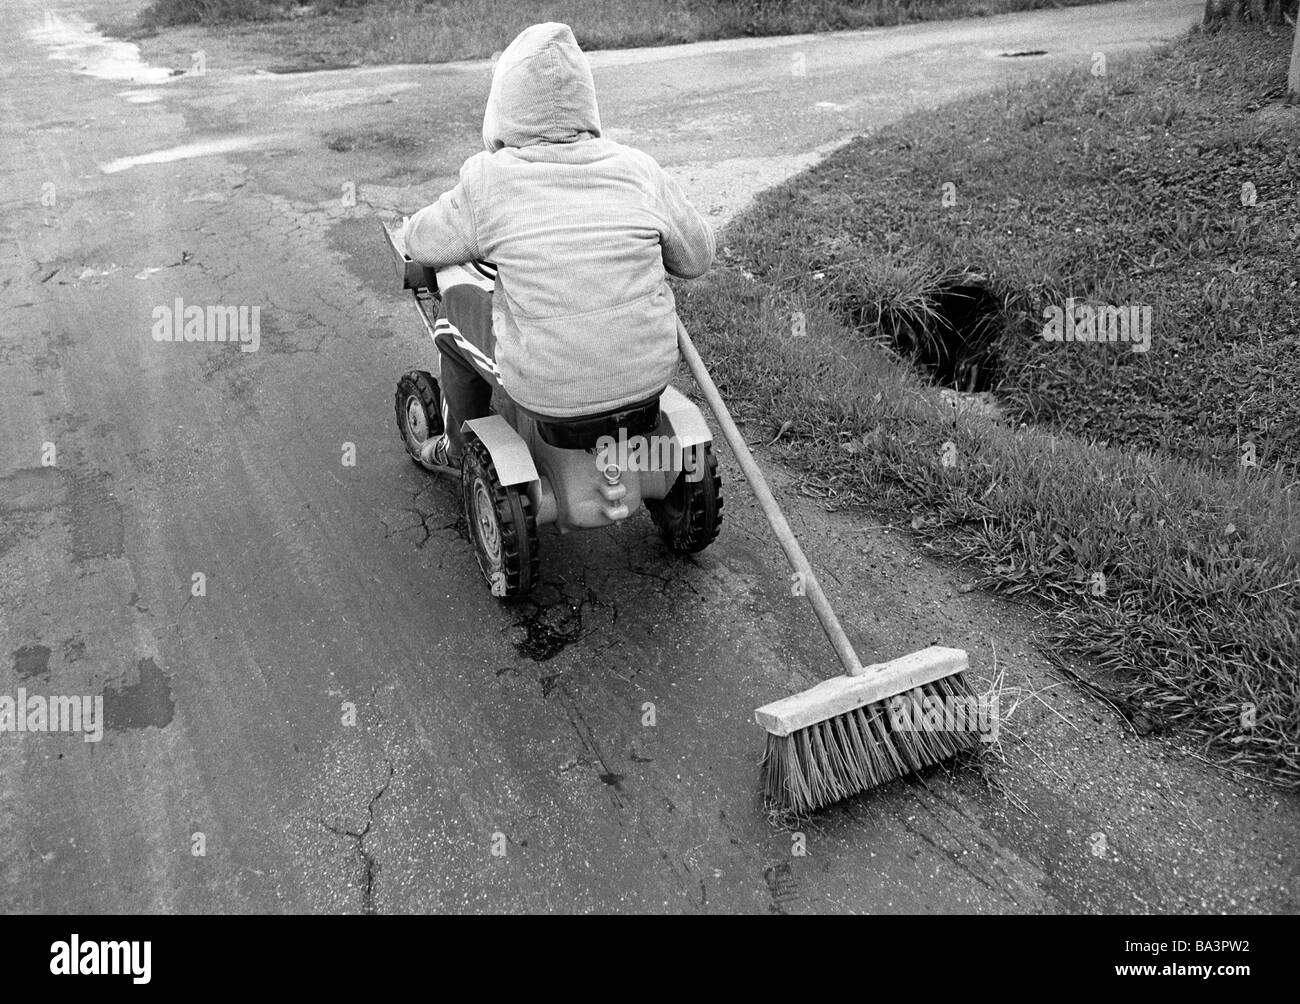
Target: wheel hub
<point>485,524</point>
<point>417,423</point>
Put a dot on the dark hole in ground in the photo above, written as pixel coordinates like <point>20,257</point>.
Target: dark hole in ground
<point>548,628</point>
<point>954,345</point>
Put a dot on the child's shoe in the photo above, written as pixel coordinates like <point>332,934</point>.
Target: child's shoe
<point>435,452</point>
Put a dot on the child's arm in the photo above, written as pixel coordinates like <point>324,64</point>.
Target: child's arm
<point>444,233</point>
<point>687,242</point>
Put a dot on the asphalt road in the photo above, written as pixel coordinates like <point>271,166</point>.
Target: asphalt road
<point>501,758</point>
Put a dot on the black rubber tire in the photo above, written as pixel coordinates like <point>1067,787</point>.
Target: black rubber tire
<point>418,396</point>
<point>502,526</point>
<point>690,516</point>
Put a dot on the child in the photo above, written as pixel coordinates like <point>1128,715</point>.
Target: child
<point>574,232</point>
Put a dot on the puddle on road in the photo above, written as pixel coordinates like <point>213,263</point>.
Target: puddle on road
<point>188,151</point>
<point>74,40</point>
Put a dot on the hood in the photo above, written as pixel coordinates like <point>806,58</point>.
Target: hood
<point>542,91</point>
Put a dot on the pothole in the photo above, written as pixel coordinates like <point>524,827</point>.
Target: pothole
<point>551,621</point>
<point>375,139</point>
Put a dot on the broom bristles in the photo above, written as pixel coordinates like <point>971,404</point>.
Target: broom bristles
<point>861,749</point>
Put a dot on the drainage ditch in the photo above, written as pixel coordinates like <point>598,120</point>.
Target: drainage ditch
<point>949,334</point>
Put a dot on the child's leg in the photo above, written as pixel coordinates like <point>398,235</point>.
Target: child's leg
<point>463,334</point>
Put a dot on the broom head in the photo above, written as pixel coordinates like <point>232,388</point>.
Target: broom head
<point>851,733</point>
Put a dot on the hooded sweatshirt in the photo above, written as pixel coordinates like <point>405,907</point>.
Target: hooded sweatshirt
<point>582,231</point>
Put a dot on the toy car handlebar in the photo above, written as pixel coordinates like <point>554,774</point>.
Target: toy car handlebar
<point>412,273</point>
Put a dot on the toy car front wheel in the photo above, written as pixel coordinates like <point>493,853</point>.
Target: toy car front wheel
<point>690,515</point>
<point>418,405</point>
<point>501,524</point>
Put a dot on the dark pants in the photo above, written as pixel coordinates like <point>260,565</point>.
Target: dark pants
<point>463,334</point>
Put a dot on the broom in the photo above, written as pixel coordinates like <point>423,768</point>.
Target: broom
<point>875,723</point>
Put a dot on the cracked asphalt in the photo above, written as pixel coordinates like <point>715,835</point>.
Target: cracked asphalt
<point>344,713</point>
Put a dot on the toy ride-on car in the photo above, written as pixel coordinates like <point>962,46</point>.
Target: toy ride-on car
<point>522,470</point>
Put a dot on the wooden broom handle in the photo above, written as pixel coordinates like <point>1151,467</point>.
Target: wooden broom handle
<point>775,518</point>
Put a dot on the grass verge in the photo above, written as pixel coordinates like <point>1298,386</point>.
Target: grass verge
<point>1171,183</point>
<point>342,32</point>
<point>1179,578</point>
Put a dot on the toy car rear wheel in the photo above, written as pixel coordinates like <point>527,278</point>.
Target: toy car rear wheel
<point>690,515</point>
<point>502,525</point>
<point>418,406</point>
